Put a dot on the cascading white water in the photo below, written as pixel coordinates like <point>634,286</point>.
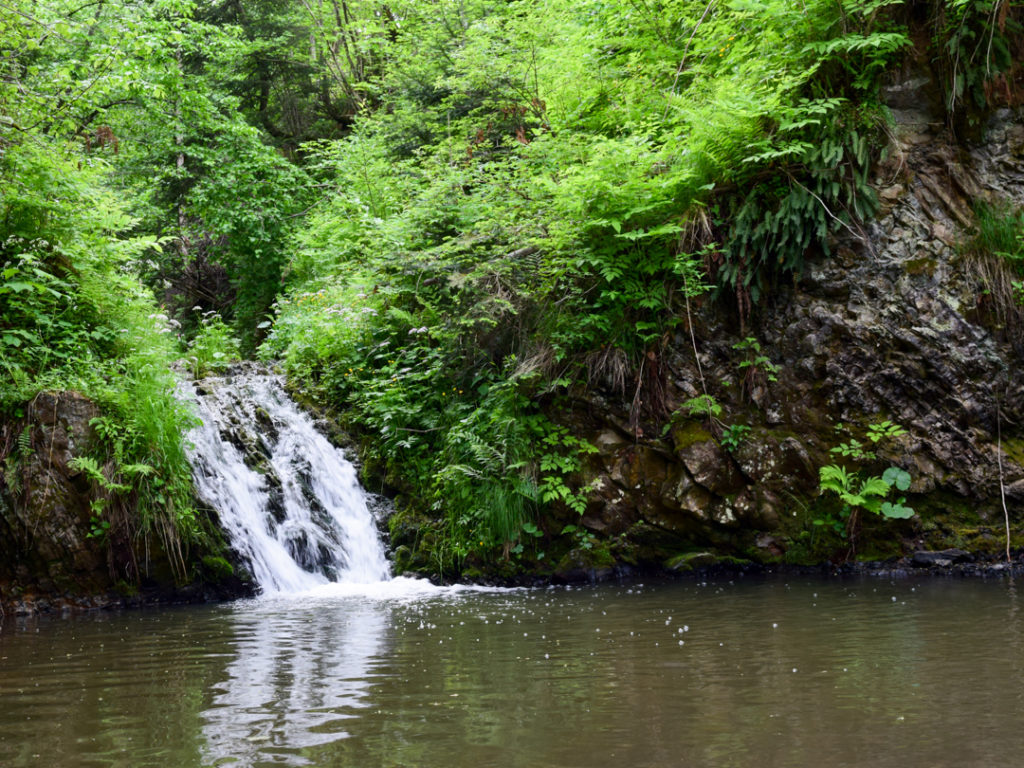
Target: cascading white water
<point>288,500</point>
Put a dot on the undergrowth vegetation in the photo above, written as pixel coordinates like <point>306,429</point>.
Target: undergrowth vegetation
<point>995,256</point>
<point>73,317</point>
<point>537,193</point>
<point>448,220</point>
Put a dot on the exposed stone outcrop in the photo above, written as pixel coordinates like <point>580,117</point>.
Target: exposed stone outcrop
<point>894,325</point>
<point>44,501</point>
<point>52,554</point>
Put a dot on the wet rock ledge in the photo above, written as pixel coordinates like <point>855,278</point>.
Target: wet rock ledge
<point>48,560</point>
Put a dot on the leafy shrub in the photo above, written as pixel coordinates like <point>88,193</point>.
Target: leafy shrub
<point>533,204</point>
<point>72,316</point>
<point>213,348</point>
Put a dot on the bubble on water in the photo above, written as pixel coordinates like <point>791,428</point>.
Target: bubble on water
<point>682,642</point>
<point>774,625</point>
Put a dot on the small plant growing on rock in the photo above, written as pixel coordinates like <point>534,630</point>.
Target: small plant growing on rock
<point>884,430</point>
<point>733,436</point>
<point>584,539</point>
<point>703,406</point>
<point>857,451</point>
<point>859,491</point>
<point>757,369</point>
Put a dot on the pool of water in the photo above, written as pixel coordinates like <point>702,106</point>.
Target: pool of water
<point>759,672</point>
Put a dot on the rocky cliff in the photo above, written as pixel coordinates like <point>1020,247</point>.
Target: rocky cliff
<point>44,501</point>
<point>900,324</point>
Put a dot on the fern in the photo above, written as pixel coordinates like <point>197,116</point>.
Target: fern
<point>25,441</point>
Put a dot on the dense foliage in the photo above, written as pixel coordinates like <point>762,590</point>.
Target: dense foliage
<point>445,218</point>
<point>535,195</point>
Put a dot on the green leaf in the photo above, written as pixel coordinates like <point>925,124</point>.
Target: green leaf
<point>874,486</point>
<point>896,511</point>
<point>897,477</point>
<point>16,287</point>
<point>834,478</point>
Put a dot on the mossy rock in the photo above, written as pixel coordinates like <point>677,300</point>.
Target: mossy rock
<point>126,589</point>
<point>580,560</point>
<point>920,266</point>
<point>217,569</point>
<point>1014,448</point>
<point>687,433</point>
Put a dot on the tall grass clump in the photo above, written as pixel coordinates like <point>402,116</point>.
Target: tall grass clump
<point>995,257</point>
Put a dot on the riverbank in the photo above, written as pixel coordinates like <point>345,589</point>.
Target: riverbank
<point>941,564</point>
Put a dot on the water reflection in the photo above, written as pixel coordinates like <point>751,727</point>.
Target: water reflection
<point>300,672</point>
<point>865,673</point>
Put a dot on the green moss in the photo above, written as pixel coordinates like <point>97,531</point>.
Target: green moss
<point>624,550</point>
<point>688,561</point>
<point>920,266</point>
<point>687,433</point>
<point>598,556</point>
<point>217,568</point>
<point>1014,448</point>
<point>126,589</point>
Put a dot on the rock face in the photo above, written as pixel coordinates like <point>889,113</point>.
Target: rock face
<point>48,557</point>
<point>44,501</point>
<point>894,326</point>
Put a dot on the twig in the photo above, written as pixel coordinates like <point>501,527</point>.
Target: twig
<point>693,341</point>
<point>1002,486</point>
<point>686,51</point>
<point>858,235</point>
<point>634,415</point>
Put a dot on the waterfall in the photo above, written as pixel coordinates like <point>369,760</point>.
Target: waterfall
<point>289,501</point>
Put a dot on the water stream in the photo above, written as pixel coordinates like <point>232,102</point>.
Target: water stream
<point>289,501</point>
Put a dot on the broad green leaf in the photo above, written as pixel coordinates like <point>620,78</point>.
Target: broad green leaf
<point>897,477</point>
